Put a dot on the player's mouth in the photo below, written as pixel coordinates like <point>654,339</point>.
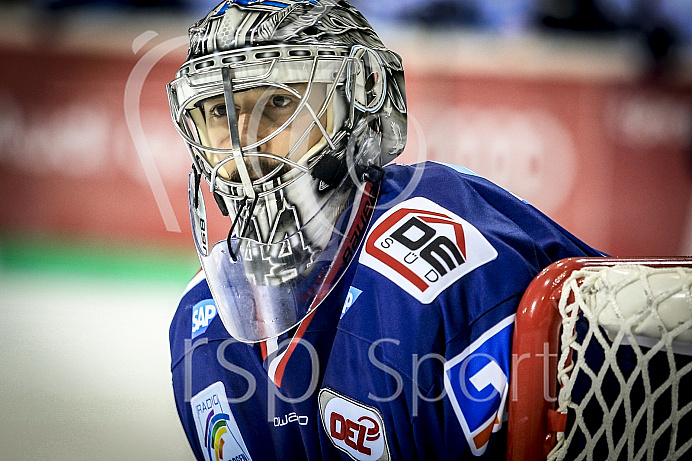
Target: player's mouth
<point>260,167</point>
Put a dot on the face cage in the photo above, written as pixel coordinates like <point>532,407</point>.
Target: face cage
<point>226,73</point>
<point>264,289</point>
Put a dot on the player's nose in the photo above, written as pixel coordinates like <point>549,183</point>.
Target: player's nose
<point>248,134</point>
<point>250,131</point>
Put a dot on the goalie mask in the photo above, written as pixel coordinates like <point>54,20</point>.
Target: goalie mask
<point>289,109</point>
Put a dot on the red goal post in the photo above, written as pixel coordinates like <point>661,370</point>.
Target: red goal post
<point>537,419</point>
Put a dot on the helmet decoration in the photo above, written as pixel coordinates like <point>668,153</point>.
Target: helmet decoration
<point>320,108</point>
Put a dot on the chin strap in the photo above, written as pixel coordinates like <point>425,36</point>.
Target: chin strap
<point>330,171</point>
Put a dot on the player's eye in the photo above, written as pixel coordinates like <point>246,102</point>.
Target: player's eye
<point>280,101</point>
<point>218,110</point>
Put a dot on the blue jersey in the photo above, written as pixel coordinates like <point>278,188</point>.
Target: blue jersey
<point>408,357</point>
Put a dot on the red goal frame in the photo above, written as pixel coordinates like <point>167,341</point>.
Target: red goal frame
<point>533,422</point>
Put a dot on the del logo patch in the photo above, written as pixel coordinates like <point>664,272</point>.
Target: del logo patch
<point>477,384</point>
<point>219,436</point>
<point>353,427</point>
<point>424,248</point>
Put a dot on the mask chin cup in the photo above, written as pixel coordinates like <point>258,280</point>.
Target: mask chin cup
<point>250,311</point>
<point>263,290</point>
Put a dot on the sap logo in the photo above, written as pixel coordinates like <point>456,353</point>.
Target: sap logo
<point>477,384</point>
<point>424,248</point>
<point>202,314</point>
<point>351,297</point>
<point>217,431</point>
<point>353,427</point>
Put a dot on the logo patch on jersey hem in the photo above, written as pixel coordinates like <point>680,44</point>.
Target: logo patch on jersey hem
<point>218,432</point>
<point>353,427</point>
<point>424,248</point>
<point>477,384</point>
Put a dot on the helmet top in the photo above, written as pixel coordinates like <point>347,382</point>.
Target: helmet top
<point>236,24</point>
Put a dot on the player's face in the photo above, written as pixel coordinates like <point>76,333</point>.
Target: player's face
<point>260,113</point>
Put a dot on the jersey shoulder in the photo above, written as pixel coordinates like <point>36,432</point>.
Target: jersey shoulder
<point>489,207</point>
<point>446,182</point>
<point>446,247</point>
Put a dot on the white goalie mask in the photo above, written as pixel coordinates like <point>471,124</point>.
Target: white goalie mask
<point>290,131</point>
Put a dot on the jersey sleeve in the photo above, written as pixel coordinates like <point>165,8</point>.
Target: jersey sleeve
<point>180,336</point>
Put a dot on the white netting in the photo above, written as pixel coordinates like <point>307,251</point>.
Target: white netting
<point>625,359</point>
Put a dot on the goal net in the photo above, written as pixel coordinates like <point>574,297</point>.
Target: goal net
<point>623,385</point>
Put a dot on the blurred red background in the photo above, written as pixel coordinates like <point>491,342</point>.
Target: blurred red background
<point>606,154</point>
